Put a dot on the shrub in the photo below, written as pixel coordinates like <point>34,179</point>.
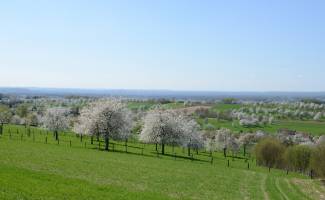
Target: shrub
<point>269,152</point>
<point>298,157</point>
<point>317,160</point>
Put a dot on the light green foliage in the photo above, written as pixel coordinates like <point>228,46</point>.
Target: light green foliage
<point>22,110</point>
<point>318,161</point>
<point>269,152</point>
<point>5,114</point>
<point>298,157</point>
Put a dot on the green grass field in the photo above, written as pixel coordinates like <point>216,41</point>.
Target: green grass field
<point>224,107</point>
<point>148,105</point>
<point>312,127</point>
<point>32,169</point>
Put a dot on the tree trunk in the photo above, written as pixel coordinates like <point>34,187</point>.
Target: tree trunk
<point>1,127</point>
<point>56,133</point>
<point>80,137</point>
<point>156,147</point>
<point>92,140</point>
<point>188,151</point>
<point>311,174</point>
<point>225,152</point>
<point>163,149</point>
<point>126,145</point>
<point>106,143</point>
<point>244,150</point>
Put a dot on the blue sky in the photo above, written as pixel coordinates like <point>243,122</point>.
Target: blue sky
<point>169,44</point>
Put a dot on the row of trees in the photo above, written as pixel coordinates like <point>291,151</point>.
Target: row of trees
<point>111,119</point>
<point>270,152</point>
<point>286,110</point>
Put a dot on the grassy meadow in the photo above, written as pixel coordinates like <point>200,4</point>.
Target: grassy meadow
<point>312,127</point>
<point>33,167</point>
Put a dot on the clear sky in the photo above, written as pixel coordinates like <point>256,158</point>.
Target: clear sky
<point>168,44</point>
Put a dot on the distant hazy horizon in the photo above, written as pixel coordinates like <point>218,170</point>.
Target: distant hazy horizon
<point>183,45</point>
<point>158,89</point>
<point>140,91</point>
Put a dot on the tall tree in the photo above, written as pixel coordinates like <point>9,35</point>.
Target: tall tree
<point>109,118</point>
<point>167,128</point>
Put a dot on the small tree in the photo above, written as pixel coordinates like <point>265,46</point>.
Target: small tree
<point>5,116</point>
<point>192,136</point>
<point>246,139</point>
<point>269,152</point>
<point>86,123</point>
<point>318,161</point>
<point>32,119</point>
<point>22,110</point>
<point>233,145</point>
<point>298,157</point>
<point>56,119</point>
<point>222,139</point>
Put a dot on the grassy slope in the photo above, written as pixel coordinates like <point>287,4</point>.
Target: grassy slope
<point>34,170</point>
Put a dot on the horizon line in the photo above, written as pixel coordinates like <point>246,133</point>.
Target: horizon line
<point>155,89</point>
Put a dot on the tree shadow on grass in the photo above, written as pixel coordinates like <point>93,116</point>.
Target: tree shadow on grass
<point>153,154</point>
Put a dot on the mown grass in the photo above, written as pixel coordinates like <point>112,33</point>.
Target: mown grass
<point>32,169</point>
